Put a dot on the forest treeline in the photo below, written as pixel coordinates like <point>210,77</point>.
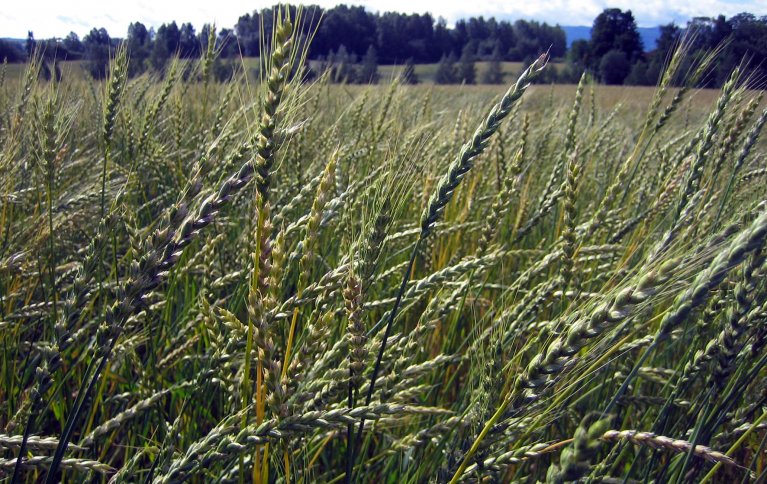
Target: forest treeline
<point>351,42</point>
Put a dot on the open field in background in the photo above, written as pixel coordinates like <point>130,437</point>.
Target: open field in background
<point>68,68</point>
<point>634,98</point>
<point>425,72</point>
<point>287,282</point>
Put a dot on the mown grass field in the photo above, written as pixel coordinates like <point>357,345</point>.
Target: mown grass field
<point>308,282</point>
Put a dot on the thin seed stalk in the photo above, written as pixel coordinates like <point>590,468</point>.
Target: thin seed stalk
<point>444,192</point>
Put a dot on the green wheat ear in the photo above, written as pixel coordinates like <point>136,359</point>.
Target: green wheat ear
<point>439,198</point>
<point>473,148</point>
<point>280,290</point>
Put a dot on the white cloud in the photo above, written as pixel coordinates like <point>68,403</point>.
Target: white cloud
<point>55,18</point>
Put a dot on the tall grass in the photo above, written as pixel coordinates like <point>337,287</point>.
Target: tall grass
<point>300,281</point>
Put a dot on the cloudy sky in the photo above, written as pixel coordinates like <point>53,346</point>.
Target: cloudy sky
<point>49,18</point>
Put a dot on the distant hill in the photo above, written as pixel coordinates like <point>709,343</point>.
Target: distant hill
<point>649,35</point>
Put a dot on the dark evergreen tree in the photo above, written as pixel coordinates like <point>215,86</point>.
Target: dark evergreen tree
<point>227,44</point>
<point>57,70</point>
<point>352,27</point>
<point>446,73</point>
<point>204,37</point>
<point>341,66</point>
<point>11,52</point>
<point>442,39</point>
<point>45,72</point>
<point>139,46</point>
<point>408,75</point>
<point>467,69</point>
<point>30,45</point>
<point>171,35</point>
<point>350,33</point>
<point>73,46</point>
<point>534,38</point>
<point>505,38</point>
<point>368,72</point>
<point>247,31</point>
<point>166,44</point>
<point>188,45</point>
<point>97,48</point>
<point>159,56</point>
<point>399,36</point>
<point>223,70</point>
<point>494,72</point>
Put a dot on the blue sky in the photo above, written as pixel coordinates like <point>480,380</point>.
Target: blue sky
<point>56,18</point>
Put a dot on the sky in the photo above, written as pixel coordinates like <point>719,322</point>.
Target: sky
<point>55,18</point>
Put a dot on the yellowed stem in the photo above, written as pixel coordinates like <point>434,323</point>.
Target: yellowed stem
<point>475,446</point>
<point>291,335</point>
<point>734,447</point>
<point>286,459</point>
<point>259,419</point>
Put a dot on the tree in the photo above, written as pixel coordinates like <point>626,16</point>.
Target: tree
<point>350,26</point>
<point>57,70</point>
<point>534,38</point>
<point>408,75</point>
<point>247,30</point>
<point>369,69</point>
<point>638,75</point>
<point>570,74</point>
<point>654,71</point>
<point>171,35</point>
<point>97,44</point>
<point>657,59</point>
<point>442,39</point>
<point>30,45</point>
<point>139,45</point>
<point>341,66</point>
<point>668,39</point>
<point>11,52</point>
<point>188,45</point>
<point>494,72</point>
<point>159,55</point>
<point>204,37</point>
<point>227,44</point>
<point>49,49</point>
<point>45,72</point>
<point>224,70</point>
<point>748,44</point>
<point>446,73</point>
<point>614,67</point>
<point>166,43</point>
<point>615,30</point>
<point>580,53</point>
<point>467,70</point>
<point>73,46</point>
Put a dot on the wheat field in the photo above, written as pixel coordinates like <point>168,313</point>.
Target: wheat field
<point>288,281</point>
